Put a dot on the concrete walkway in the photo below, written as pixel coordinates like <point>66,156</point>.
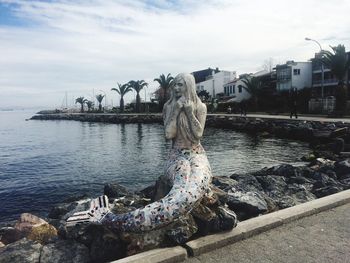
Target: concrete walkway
<point>285,117</point>
<point>323,237</point>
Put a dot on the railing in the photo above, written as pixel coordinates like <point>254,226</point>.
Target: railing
<point>326,81</point>
<point>326,105</point>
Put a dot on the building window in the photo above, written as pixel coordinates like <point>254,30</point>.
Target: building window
<point>233,89</point>
<point>230,89</point>
<point>225,90</point>
<point>240,88</point>
<point>296,71</point>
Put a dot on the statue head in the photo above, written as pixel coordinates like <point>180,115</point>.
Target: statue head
<point>184,86</point>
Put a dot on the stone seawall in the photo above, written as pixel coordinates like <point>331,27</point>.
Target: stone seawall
<point>310,131</point>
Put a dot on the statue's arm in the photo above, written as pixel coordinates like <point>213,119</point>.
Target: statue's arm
<point>196,122</point>
<point>170,122</point>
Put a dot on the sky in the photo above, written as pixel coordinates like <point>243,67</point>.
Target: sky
<point>85,47</point>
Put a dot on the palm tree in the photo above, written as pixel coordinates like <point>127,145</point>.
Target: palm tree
<point>81,100</point>
<point>338,63</point>
<point>253,87</point>
<point>89,104</point>
<point>164,85</point>
<point>137,86</point>
<point>122,90</point>
<point>99,98</point>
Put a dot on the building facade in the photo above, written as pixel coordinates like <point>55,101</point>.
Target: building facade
<point>214,83</point>
<point>293,75</point>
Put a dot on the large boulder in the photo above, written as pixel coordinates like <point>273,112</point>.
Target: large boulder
<point>115,190</point>
<point>64,251</point>
<point>21,251</point>
<point>246,204</point>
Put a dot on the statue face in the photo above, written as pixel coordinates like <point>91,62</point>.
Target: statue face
<point>179,88</point>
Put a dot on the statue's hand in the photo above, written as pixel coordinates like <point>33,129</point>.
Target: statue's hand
<point>188,106</point>
<point>180,103</point>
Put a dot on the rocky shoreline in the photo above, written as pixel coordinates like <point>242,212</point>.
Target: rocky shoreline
<point>33,239</point>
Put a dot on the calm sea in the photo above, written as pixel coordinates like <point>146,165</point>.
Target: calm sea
<point>44,162</point>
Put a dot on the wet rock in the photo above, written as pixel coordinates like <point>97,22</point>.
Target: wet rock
<point>21,251</point>
<point>115,190</point>
<point>64,251</point>
<point>27,221</point>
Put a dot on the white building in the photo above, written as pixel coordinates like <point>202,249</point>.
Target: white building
<point>235,89</point>
<point>294,75</point>
<point>214,84</point>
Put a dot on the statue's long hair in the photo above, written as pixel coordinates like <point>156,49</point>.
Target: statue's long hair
<point>190,94</point>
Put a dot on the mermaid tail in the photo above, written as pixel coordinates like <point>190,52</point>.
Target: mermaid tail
<point>189,172</point>
<point>99,208</point>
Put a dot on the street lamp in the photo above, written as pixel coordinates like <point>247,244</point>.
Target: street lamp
<point>322,69</point>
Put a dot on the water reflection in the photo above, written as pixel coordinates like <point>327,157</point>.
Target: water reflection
<point>47,161</point>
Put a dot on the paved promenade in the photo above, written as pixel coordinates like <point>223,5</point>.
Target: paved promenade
<point>323,237</point>
<point>300,118</point>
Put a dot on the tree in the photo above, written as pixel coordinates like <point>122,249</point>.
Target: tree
<point>253,87</point>
<point>338,63</point>
<point>122,90</point>
<point>165,83</point>
<point>89,104</point>
<point>203,95</point>
<point>137,86</point>
<point>82,101</point>
<point>99,98</point>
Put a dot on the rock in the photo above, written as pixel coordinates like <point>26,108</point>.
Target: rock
<point>42,233</point>
<point>2,245</point>
<point>342,169</point>
<point>246,205</point>
<point>246,183</point>
<point>148,192</point>
<point>182,231</point>
<point>9,235</point>
<point>27,221</point>
<point>285,170</point>
<point>223,182</point>
<point>115,190</point>
<point>205,219</point>
<point>272,183</point>
<point>327,190</point>
<point>21,251</point>
<point>227,218</point>
<point>64,251</point>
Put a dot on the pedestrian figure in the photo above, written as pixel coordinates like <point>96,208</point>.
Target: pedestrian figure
<point>243,108</point>
<point>293,95</point>
<point>229,110</point>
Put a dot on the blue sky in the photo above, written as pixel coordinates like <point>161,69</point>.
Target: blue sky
<point>86,47</point>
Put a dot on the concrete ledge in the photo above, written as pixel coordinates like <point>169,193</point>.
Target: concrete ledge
<point>266,222</point>
<point>159,255</point>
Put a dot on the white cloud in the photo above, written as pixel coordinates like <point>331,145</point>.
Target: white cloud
<point>90,45</point>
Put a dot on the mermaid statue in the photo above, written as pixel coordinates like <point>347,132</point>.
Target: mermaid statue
<point>187,169</point>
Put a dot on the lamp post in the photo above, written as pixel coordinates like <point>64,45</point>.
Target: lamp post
<point>322,69</point>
